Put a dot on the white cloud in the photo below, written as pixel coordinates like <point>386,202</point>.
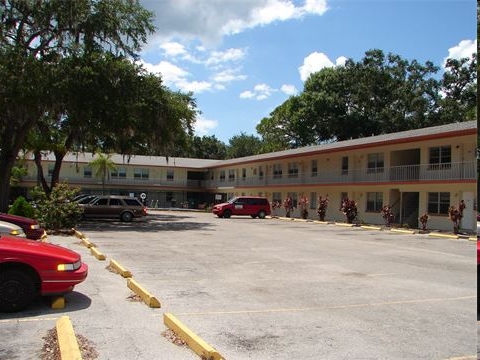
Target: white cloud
<point>247,95</point>
<point>228,75</point>
<point>270,11</point>
<point>229,55</point>
<point>260,92</point>
<point>173,48</point>
<point>288,89</point>
<point>203,126</point>
<point>317,61</point>
<point>210,20</point>
<point>194,86</point>
<point>464,49</point>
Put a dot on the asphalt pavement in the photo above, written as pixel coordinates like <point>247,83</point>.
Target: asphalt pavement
<point>264,289</point>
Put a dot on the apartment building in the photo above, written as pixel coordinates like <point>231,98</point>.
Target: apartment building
<point>415,172</point>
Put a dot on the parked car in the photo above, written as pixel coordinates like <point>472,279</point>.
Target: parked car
<point>30,227</point>
<point>124,208</point>
<point>84,198</point>
<point>30,268</point>
<point>7,228</point>
<point>243,205</point>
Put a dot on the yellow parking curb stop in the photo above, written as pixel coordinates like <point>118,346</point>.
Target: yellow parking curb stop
<point>58,302</point>
<point>120,269</point>
<point>95,252</point>
<point>150,300</point>
<point>194,342</point>
<point>67,341</point>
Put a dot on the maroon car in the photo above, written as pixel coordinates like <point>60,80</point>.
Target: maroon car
<point>30,227</point>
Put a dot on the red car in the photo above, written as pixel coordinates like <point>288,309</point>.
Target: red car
<point>30,227</point>
<point>29,268</point>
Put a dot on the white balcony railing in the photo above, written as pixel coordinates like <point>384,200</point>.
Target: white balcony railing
<point>407,173</point>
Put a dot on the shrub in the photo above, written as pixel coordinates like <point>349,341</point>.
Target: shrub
<point>322,207</point>
<point>56,211</point>
<point>349,209</point>
<point>22,207</point>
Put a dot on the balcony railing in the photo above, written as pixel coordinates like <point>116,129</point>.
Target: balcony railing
<point>407,173</point>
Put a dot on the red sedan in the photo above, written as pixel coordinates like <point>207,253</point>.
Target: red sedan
<point>30,268</point>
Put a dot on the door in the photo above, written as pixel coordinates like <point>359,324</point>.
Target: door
<point>409,209</point>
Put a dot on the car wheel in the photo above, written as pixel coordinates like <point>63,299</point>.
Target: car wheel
<point>262,214</point>
<point>227,214</point>
<point>127,216</point>
<point>17,290</point>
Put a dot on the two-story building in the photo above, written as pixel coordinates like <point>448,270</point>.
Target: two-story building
<point>415,172</point>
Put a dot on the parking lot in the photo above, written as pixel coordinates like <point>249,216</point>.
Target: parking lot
<point>264,289</point>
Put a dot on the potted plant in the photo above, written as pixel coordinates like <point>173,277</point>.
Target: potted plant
<point>322,208</point>
<point>423,220</point>
<point>387,215</point>
<point>303,204</point>
<point>288,205</point>
<point>276,205</point>
<point>349,209</point>
<point>456,214</point>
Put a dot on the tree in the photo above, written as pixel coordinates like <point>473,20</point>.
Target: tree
<point>34,38</point>
<point>243,145</point>
<point>208,147</point>
<point>102,165</point>
<point>381,93</point>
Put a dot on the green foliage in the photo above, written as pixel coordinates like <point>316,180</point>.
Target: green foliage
<point>56,211</point>
<point>22,207</point>
<point>17,173</point>
<point>382,93</point>
<point>243,145</point>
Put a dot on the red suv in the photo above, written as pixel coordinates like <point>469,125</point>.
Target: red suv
<point>243,205</point>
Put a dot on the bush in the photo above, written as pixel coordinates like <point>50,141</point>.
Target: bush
<point>22,207</point>
<point>56,211</point>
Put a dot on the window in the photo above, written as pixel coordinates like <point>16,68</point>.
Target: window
<point>313,200</point>
<point>344,165</point>
<point>292,169</point>
<point>119,173</point>
<point>375,163</point>
<point>343,196</point>
<point>87,172</point>
<point>222,175</point>
<point>260,172</point>
<point>170,175</point>
<point>277,196</point>
<point>169,196</point>
<point>231,174</point>
<point>438,202</point>
<point>374,201</point>
<point>314,168</point>
<point>50,170</point>
<point>244,173</point>
<point>140,174</point>
<point>294,197</point>
<point>277,171</point>
<point>115,202</point>
<point>440,157</point>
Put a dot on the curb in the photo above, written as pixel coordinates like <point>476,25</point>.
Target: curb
<point>345,224</point>
<point>403,231</point>
<point>150,300</point>
<point>67,341</point>
<point>194,342</point>
<point>120,269</point>
<point>450,236</point>
<point>369,227</point>
<point>95,252</point>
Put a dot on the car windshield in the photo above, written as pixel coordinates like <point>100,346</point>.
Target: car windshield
<point>232,200</point>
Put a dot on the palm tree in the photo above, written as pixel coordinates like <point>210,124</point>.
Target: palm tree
<point>102,165</point>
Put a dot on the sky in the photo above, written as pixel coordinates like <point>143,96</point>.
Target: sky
<point>243,58</point>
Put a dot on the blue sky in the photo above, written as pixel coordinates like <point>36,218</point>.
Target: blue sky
<point>243,58</point>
